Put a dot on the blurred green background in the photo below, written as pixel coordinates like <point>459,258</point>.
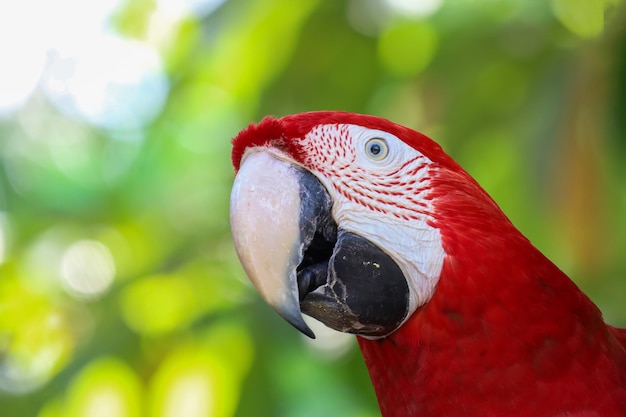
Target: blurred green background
<point>120,293</point>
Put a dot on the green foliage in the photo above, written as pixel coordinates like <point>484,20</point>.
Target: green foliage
<point>584,18</point>
<point>406,48</point>
<point>120,293</point>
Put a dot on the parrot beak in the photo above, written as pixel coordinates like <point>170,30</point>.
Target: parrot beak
<point>300,261</point>
<point>266,211</point>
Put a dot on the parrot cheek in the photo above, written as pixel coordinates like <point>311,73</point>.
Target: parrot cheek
<point>364,290</point>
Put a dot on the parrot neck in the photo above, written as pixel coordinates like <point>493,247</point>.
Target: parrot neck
<point>501,333</point>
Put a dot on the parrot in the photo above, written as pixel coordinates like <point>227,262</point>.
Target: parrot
<point>369,227</point>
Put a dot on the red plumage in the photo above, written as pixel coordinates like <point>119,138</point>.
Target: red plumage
<point>506,332</point>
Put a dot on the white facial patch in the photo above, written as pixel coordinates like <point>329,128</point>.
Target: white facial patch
<point>378,185</point>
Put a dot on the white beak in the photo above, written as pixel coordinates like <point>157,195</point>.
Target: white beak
<point>265,213</point>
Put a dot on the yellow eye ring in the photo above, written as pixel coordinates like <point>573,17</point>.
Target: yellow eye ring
<point>376,149</point>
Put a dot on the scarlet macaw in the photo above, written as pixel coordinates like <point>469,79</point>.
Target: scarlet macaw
<point>371,228</point>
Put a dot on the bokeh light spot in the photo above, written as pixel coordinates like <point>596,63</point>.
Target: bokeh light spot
<point>35,340</point>
<point>422,8</point>
<point>407,48</point>
<point>87,269</point>
<point>174,297</point>
<point>584,18</point>
<point>190,396</point>
<point>106,387</point>
<point>194,382</point>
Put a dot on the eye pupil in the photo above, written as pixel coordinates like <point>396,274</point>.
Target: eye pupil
<point>375,149</point>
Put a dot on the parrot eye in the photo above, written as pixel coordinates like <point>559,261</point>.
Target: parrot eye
<point>376,149</point>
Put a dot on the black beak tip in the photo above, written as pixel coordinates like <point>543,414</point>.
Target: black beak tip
<point>306,330</point>
<point>296,320</point>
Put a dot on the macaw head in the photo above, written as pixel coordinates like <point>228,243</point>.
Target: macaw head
<point>348,218</point>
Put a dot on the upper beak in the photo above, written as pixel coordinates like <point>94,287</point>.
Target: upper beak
<point>301,261</point>
<point>273,219</point>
